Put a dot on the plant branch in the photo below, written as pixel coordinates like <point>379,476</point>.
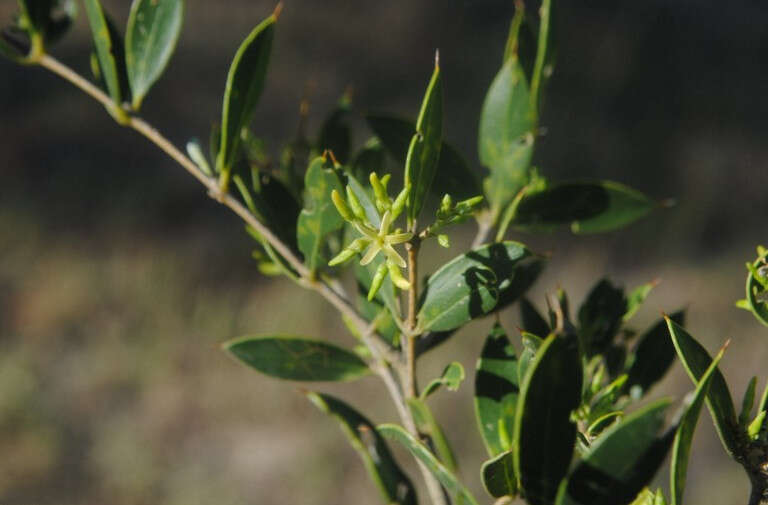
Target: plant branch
<point>383,356</point>
<point>411,388</point>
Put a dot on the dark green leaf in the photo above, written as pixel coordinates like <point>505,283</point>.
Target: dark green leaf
<point>747,403</point>
<point>452,377</point>
<point>652,357</point>
<point>600,317</point>
<point>297,358</point>
<point>469,285</point>
<point>531,344</point>
<point>532,320</point>
<point>454,488</point>
<point>371,158</point>
<point>153,29</point>
<point>48,19</point>
<point>424,150</point>
<point>506,136</point>
<point>621,461</point>
<point>696,360</point>
<point>319,217</point>
<point>371,310</point>
<point>105,49</point>
<point>544,435</point>
<point>588,207</point>
<point>276,207</point>
<point>335,134</point>
<point>455,179</point>
<point>245,83</point>
<point>428,426</point>
<point>684,434</point>
<point>496,391</point>
<point>525,273</point>
<point>394,485</point>
<point>499,475</point>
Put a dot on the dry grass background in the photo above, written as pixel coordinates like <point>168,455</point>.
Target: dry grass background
<point>119,280</point>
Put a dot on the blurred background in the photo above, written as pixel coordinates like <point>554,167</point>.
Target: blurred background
<point>119,277</point>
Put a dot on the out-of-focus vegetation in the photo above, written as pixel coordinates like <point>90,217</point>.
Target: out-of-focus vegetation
<point>116,286</point>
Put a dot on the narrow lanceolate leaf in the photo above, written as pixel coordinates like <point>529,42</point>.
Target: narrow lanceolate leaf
<point>652,357</point>
<point>424,150</point>
<point>588,207</point>
<point>428,426</point>
<point>319,217</point>
<point>151,35</point>
<point>600,316</point>
<point>506,136</point>
<point>245,83</point>
<point>696,360</point>
<point>452,377</point>
<point>636,298</point>
<point>531,320</point>
<point>470,285</point>
<point>297,358</point>
<point>455,489</point>
<point>544,436</point>
<point>498,475</point>
<point>105,49</point>
<point>684,434</point>
<point>456,177</point>
<point>335,134</point>
<point>393,484</point>
<point>496,391</point>
<point>621,461</point>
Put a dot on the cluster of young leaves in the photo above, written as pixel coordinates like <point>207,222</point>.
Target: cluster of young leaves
<point>756,300</point>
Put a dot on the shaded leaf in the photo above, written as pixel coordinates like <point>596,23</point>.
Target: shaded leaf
<point>245,83</point>
<point>424,149</point>
<point>696,360</point>
<point>684,434</point>
<point>531,344</point>
<point>371,310</point>
<point>506,136</point>
<point>496,391</point>
<point>456,178</point>
<point>600,317</point>
<point>469,286</point>
<point>393,484</point>
<point>319,217</point>
<point>335,134</point>
<point>636,298</point>
<point>531,320</point>
<point>297,358</point>
<point>455,489</point>
<point>652,357</point>
<point>544,435</point>
<point>48,19</point>
<point>428,426</point>
<point>588,207</point>
<point>150,38</point>
<point>499,476</point>
<point>621,461</point>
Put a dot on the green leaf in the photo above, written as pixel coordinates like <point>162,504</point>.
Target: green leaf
<point>588,207</point>
<point>47,19</point>
<point>455,489</point>
<point>150,38</point>
<point>636,298</point>
<point>335,134</point>
<point>544,435</point>
<point>763,404</point>
<point>498,475</point>
<point>684,434</point>
<point>393,484</point>
<point>506,136</point>
<point>297,358</point>
<point>747,403</point>
<point>496,391</point>
<point>532,321</point>
<point>600,316</point>
<point>374,310</point>
<point>696,360</point>
<point>424,150</point>
<point>245,83</point>
<point>621,461</point>
<point>531,344</point>
<point>428,426</point>
<point>455,179</point>
<point>652,357</point>
<point>470,285</point>
<point>108,50</point>
<point>452,377</point>
<point>319,217</point>
<point>757,294</point>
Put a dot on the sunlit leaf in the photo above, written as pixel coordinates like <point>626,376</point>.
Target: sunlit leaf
<point>110,52</point>
<point>428,426</point>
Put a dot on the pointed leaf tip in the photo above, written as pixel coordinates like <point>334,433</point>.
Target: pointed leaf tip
<point>437,59</point>
<point>278,10</point>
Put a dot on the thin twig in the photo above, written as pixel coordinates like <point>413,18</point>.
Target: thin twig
<point>411,388</point>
